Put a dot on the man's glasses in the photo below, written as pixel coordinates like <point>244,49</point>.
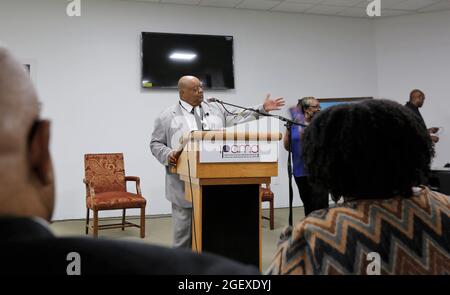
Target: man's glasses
<point>33,129</point>
<point>35,124</point>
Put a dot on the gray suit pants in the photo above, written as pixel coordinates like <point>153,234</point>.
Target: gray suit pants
<point>181,219</point>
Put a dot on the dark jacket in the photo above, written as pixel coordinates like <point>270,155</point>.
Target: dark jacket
<point>27,247</point>
<point>417,113</point>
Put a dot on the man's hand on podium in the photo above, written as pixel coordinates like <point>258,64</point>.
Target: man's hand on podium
<point>173,157</point>
<point>273,104</point>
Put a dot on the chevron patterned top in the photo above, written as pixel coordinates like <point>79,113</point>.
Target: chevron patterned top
<point>409,236</point>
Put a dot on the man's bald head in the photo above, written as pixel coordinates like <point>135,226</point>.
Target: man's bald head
<point>26,177</point>
<point>186,81</point>
<point>18,104</point>
<point>191,90</point>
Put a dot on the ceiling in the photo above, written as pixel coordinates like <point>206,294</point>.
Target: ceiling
<point>344,8</point>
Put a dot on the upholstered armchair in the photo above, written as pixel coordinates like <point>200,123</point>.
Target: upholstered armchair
<point>106,189</point>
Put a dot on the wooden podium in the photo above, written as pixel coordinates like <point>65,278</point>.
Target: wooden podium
<point>223,172</point>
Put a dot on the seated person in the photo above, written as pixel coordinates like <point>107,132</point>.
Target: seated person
<point>27,197</point>
<point>375,155</point>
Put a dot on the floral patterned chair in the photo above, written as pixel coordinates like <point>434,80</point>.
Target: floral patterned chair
<point>105,182</point>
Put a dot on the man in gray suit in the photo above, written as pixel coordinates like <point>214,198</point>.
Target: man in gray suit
<point>191,113</point>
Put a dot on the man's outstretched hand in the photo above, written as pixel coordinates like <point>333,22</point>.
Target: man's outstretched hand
<point>273,104</point>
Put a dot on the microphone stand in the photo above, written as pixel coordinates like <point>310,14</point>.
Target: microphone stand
<point>288,124</point>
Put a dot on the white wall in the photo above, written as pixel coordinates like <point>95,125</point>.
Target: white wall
<point>88,71</point>
<point>413,52</point>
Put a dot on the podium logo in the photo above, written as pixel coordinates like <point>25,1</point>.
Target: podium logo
<point>74,8</point>
<point>374,8</point>
<point>240,151</point>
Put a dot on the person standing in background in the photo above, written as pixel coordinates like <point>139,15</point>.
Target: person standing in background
<point>313,197</point>
<point>416,100</point>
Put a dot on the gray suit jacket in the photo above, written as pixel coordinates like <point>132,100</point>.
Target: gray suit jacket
<point>171,125</point>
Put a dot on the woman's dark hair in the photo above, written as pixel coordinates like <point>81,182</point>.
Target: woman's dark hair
<point>372,149</point>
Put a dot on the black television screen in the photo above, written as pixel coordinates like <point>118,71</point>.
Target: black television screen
<point>167,57</point>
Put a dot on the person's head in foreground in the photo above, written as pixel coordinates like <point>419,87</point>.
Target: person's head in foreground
<point>375,155</point>
<point>27,198</point>
<point>26,177</point>
<point>369,150</point>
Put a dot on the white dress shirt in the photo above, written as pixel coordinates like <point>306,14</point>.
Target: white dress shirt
<point>187,108</point>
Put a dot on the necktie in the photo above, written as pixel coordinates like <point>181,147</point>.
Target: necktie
<point>198,120</point>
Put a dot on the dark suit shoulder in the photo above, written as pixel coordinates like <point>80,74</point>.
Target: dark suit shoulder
<point>21,228</point>
<point>113,257</point>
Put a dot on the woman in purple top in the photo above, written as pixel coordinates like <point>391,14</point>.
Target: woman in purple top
<point>313,197</point>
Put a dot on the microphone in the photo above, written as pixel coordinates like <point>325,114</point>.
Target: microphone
<point>213,99</point>
<point>208,100</point>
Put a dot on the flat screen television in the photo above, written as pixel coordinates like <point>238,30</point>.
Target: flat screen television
<point>166,57</point>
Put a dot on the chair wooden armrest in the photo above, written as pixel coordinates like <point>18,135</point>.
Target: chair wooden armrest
<point>89,188</point>
<point>138,183</point>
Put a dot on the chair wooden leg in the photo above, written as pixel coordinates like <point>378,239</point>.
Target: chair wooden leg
<point>95,223</point>
<point>272,223</point>
<point>87,221</point>
<point>123,219</point>
<point>143,222</point>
